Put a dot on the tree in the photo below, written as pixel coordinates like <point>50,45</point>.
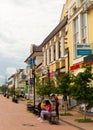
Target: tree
<point>49,86</point>
<point>65,83</point>
<point>12,91</point>
<point>82,89</point>
<point>46,88</point>
<point>64,86</point>
<point>39,87</point>
<point>4,88</point>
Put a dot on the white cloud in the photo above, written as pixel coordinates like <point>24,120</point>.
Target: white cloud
<point>2,77</point>
<point>10,71</point>
<point>24,22</point>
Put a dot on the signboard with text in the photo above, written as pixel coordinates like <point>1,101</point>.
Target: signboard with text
<point>31,81</point>
<point>31,62</point>
<point>84,49</point>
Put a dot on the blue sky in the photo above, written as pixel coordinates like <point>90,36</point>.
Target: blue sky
<point>22,23</point>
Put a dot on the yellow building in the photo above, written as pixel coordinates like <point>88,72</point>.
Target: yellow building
<point>80,24</point>
<point>71,40</point>
<point>55,50</point>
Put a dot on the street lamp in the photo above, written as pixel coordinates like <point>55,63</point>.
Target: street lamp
<point>32,82</point>
<point>68,59</point>
<point>68,72</point>
<point>32,79</point>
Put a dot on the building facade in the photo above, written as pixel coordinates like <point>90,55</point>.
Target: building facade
<point>55,50</point>
<point>80,13</point>
<point>34,68</point>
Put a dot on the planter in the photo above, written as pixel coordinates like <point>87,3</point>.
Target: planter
<point>14,99</point>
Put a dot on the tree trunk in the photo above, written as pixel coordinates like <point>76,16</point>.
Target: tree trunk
<point>85,112</point>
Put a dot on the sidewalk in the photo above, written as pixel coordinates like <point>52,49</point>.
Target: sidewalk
<point>76,115</point>
<point>14,116</point>
<point>70,120</point>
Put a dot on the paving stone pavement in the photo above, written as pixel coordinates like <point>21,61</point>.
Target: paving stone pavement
<point>76,115</point>
<point>15,116</point>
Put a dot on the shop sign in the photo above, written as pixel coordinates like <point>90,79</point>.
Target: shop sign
<point>84,49</point>
<point>76,66</point>
<point>52,74</point>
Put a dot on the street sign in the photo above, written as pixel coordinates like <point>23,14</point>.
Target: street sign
<point>84,49</point>
<point>31,81</point>
<point>23,76</point>
<point>31,62</point>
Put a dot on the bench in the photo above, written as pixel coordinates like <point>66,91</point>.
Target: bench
<point>30,107</point>
<point>36,111</point>
<point>52,118</point>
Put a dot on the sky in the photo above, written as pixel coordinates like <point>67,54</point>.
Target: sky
<point>22,23</point>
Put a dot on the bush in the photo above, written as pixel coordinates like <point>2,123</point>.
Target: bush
<point>84,120</point>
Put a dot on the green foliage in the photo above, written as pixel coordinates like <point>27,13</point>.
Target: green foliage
<point>81,88</point>
<point>49,86</point>
<point>46,88</point>
<point>3,88</point>
<point>18,92</point>
<point>65,114</point>
<point>84,120</point>
<point>39,87</point>
<point>65,83</point>
<point>12,91</point>
<point>15,99</point>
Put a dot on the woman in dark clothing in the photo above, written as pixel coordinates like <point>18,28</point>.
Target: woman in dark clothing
<point>57,106</point>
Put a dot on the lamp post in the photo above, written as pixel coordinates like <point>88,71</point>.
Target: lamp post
<point>68,60</point>
<point>68,70</point>
<point>32,80</point>
<point>34,85</point>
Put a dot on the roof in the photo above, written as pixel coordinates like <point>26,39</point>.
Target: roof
<point>56,30</point>
<point>13,75</point>
<point>50,36</point>
<point>35,49</point>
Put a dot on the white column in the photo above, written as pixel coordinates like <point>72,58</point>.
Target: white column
<point>44,58</point>
<point>62,47</point>
<point>47,56</point>
<point>79,27</point>
<point>52,53</point>
<point>57,51</point>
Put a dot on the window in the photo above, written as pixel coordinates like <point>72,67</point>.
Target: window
<point>82,1</point>
<point>84,28</point>
<point>75,35</point>
<point>49,55</point>
<point>59,49</point>
<point>54,52</point>
<point>76,31</point>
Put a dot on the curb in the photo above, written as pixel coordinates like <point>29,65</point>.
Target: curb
<point>72,124</point>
